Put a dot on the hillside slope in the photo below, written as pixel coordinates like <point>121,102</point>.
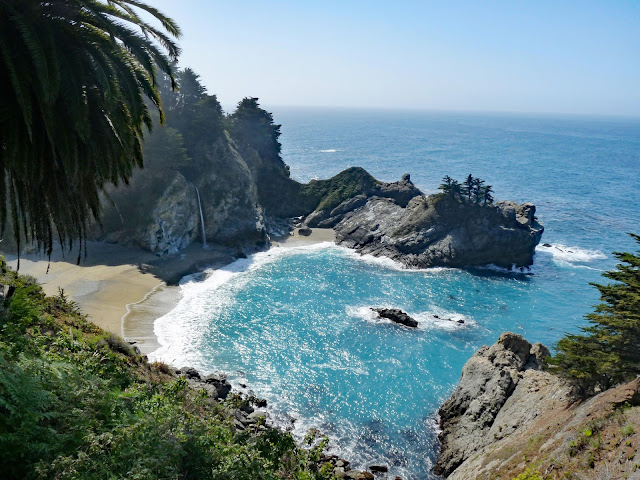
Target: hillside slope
<point>507,417</point>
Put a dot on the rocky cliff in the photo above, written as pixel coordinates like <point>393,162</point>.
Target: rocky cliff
<point>507,415</point>
<point>159,211</point>
<point>442,230</point>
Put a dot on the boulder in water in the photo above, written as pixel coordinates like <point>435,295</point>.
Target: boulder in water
<point>396,315</point>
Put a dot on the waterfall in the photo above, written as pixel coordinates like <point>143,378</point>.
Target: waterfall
<point>204,235</point>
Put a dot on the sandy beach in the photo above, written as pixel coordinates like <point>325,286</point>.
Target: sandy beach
<point>123,289</point>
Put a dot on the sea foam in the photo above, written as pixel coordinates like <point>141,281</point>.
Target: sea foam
<point>564,254</point>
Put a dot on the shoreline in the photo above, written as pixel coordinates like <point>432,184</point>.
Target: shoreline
<point>139,321</point>
<point>124,290</point>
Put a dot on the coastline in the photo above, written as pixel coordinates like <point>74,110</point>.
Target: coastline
<point>124,290</point>
<point>139,321</point>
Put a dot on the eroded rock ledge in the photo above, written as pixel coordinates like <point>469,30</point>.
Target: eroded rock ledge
<point>469,419</point>
<point>508,415</point>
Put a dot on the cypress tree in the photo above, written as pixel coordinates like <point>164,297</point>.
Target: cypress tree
<point>608,350</point>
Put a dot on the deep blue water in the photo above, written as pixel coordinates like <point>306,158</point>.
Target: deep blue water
<point>293,323</point>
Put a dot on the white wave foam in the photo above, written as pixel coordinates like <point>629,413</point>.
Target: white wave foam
<point>179,329</point>
<point>517,270</point>
<point>434,318</point>
<point>387,262</point>
<point>329,150</point>
<point>565,254</point>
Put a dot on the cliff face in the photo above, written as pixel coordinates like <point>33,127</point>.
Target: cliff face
<point>159,210</point>
<point>440,230</point>
<point>507,416</point>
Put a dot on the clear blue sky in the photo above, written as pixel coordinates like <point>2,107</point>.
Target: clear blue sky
<point>519,56</point>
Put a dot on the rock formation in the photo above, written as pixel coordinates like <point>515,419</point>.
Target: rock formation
<point>440,230</point>
<point>488,380</point>
<point>507,415</point>
<point>396,316</point>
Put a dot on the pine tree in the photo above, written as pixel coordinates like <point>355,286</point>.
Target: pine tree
<point>608,351</point>
<point>467,186</point>
<point>487,197</point>
<point>478,188</point>
<point>446,184</point>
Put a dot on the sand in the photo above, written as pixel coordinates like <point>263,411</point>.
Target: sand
<point>124,290</point>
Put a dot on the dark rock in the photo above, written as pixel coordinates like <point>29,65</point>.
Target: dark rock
<point>379,468</point>
<point>330,222</point>
<point>397,316</point>
<point>261,403</point>
<point>219,383</point>
<point>314,219</point>
<point>349,205</point>
<point>546,245</point>
<point>189,372</point>
<point>401,192</point>
<point>304,231</point>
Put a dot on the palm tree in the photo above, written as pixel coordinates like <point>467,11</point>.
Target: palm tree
<point>76,77</point>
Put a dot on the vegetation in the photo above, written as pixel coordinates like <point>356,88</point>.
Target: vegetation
<point>251,126</point>
<point>78,403</point>
<point>608,351</point>
<point>74,75</point>
<point>328,194</point>
<point>472,189</point>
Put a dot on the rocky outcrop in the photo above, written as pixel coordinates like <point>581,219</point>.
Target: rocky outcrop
<point>174,219</point>
<point>232,211</point>
<point>399,193</point>
<point>507,416</point>
<point>397,316</point>
<point>488,380</point>
<point>440,230</point>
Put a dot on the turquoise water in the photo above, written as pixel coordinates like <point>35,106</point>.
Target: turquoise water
<point>294,323</point>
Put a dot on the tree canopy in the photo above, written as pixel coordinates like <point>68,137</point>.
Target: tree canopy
<point>473,189</point>
<point>608,350</point>
<point>77,77</point>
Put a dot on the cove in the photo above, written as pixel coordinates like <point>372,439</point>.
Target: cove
<point>293,324</point>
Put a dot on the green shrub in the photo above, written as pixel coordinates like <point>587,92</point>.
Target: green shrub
<point>529,474</point>
<point>75,404</point>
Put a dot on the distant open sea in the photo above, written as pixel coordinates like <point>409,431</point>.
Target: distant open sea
<point>294,325</point>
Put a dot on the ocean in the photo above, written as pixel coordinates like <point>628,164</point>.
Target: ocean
<point>294,325</point>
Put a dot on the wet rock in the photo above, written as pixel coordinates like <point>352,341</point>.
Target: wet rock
<point>356,475</point>
<point>189,372</point>
<point>379,468</point>
<point>304,231</point>
<point>397,316</point>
